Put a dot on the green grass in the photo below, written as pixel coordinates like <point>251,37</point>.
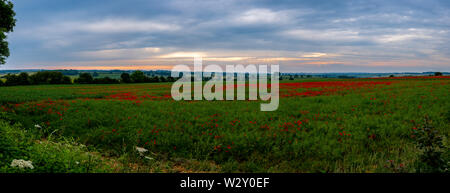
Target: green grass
<point>356,130</point>
<point>50,155</point>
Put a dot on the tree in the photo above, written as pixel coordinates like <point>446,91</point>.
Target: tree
<point>138,77</point>
<point>438,73</point>
<point>84,78</point>
<point>153,79</point>
<point>66,80</point>
<point>125,77</point>
<point>7,23</point>
<point>23,79</point>
<point>170,79</point>
<point>11,80</point>
<point>49,77</point>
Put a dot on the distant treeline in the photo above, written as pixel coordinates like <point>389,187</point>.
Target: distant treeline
<point>55,77</point>
<point>94,73</point>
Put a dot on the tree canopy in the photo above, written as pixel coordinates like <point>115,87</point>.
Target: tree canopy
<point>7,23</point>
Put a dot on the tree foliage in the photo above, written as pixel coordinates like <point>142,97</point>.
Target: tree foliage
<point>125,77</point>
<point>57,77</point>
<point>84,78</point>
<point>138,77</point>
<point>7,23</point>
<point>44,77</point>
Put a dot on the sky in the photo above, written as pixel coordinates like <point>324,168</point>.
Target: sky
<point>300,36</point>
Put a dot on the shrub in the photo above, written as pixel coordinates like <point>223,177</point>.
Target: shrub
<point>11,80</point>
<point>105,80</point>
<point>435,155</point>
<point>46,156</point>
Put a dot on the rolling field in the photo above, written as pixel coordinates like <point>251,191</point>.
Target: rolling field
<point>322,125</point>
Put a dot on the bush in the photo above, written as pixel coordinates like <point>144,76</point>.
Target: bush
<point>11,80</point>
<point>12,145</point>
<point>435,155</point>
<point>46,156</point>
<point>105,80</point>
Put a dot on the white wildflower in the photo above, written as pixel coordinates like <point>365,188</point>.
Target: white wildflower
<point>22,164</point>
<point>141,150</point>
<point>77,163</point>
<point>37,126</point>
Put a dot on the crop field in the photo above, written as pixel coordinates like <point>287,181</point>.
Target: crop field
<point>322,125</point>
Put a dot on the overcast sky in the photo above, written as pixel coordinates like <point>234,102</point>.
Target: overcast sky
<point>301,36</point>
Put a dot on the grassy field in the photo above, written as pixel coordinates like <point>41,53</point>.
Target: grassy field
<point>322,125</point>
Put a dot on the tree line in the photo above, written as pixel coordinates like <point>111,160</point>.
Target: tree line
<point>55,77</point>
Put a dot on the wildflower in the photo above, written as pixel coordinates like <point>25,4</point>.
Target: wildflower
<point>141,150</point>
<point>37,126</point>
<point>22,164</point>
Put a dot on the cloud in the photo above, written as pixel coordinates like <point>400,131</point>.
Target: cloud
<point>188,55</point>
<point>290,33</point>
<point>262,16</point>
<point>314,55</point>
<point>407,35</point>
<point>120,53</point>
<point>107,26</point>
<point>323,35</point>
<point>123,26</point>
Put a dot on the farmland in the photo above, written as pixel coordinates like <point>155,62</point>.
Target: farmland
<point>322,125</point>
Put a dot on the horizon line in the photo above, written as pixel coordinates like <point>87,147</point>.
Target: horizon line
<point>360,72</point>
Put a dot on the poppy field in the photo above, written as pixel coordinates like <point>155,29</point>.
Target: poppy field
<point>322,125</point>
